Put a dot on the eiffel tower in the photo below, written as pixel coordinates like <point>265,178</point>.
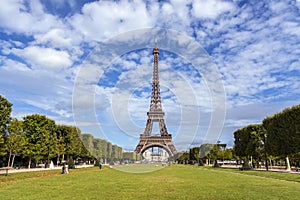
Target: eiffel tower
<point>155,114</point>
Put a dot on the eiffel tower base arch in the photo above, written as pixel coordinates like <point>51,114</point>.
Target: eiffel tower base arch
<point>164,142</point>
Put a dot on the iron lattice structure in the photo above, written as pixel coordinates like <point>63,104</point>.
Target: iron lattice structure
<point>156,114</point>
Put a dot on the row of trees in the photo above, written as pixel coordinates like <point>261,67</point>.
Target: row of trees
<point>278,137</point>
<point>37,139</point>
<point>206,154</point>
<point>102,149</point>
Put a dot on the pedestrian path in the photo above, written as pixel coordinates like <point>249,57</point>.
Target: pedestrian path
<point>271,169</point>
<point>13,170</point>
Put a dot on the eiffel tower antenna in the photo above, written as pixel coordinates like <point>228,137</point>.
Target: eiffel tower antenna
<point>155,114</point>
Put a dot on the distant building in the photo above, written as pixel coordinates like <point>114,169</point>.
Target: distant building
<point>156,155</point>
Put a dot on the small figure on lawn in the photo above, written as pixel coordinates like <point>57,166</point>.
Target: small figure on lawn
<point>100,165</point>
<point>63,168</point>
<point>66,169</point>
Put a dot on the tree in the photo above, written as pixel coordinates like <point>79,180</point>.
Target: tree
<point>183,157</point>
<point>194,154</point>
<point>5,112</point>
<point>214,154</point>
<point>248,142</point>
<point>204,152</point>
<point>87,140</point>
<point>120,153</point>
<point>228,154</point>
<point>283,133</point>
<point>61,144</point>
<point>74,145</point>
<point>129,156</point>
<point>38,130</point>
<point>104,150</point>
<point>109,151</point>
<point>97,151</point>
<point>116,152</point>
<point>15,140</point>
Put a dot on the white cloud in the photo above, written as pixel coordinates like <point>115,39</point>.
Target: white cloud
<point>55,37</point>
<point>211,9</point>
<point>44,58</point>
<point>16,16</point>
<point>104,19</point>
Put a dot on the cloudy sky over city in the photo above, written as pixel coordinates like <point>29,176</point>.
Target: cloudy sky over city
<point>223,64</point>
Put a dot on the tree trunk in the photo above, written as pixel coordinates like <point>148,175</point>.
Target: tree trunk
<point>8,162</point>
<point>271,163</point>
<point>29,162</point>
<point>246,162</point>
<point>288,166</point>
<point>13,160</point>
<point>57,161</point>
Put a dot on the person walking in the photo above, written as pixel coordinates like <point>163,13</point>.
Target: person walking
<point>63,169</point>
<point>66,169</point>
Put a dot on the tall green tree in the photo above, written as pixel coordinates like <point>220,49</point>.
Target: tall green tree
<point>194,153</point>
<point>62,132</point>
<point>38,130</point>
<point>248,142</point>
<point>15,140</point>
<point>204,152</point>
<point>97,152</point>
<point>74,143</point>
<point>120,153</point>
<point>214,154</point>
<point>104,150</point>
<point>109,151</point>
<point>87,140</point>
<point>5,117</point>
<point>116,152</point>
<point>5,112</point>
<point>283,133</point>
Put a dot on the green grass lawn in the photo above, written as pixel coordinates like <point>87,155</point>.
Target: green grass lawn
<point>172,182</point>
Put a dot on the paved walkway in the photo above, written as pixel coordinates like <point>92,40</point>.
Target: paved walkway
<point>10,171</point>
<point>271,169</point>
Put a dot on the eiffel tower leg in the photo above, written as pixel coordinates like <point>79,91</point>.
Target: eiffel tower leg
<point>162,127</point>
<point>148,129</point>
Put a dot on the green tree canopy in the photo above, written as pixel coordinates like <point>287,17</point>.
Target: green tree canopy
<point>16,140</point>
<point>38,130</point>
<point>248,141</point>
<point>283,132</point>
<point>5,112</point>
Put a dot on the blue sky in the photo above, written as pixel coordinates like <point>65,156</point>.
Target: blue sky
<point>52,63</point>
